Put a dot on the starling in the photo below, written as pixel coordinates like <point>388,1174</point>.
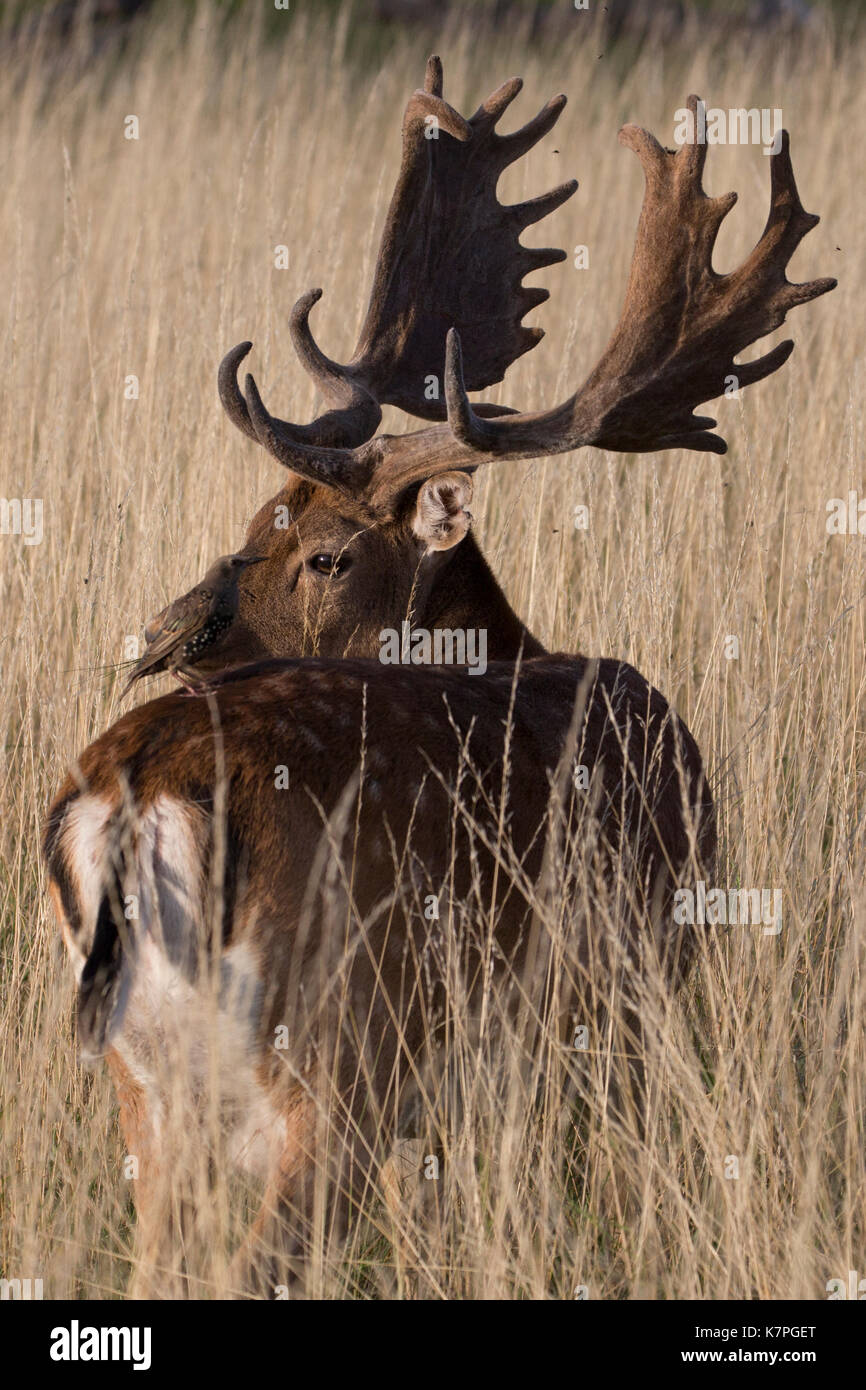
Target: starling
<point>179,635</point>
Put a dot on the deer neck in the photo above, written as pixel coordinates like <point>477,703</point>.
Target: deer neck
<point>464,594</point>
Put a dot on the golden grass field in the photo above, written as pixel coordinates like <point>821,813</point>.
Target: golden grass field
<point>152,257</point>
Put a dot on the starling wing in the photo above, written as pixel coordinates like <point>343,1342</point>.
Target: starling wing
<point>176,631</point>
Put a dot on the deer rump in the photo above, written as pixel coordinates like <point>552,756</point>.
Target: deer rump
<point>343,878</point>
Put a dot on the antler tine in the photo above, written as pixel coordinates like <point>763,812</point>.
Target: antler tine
<point>330,376</point>
<point>466,426</point>
<point>534,209</point>
<point>347,469</point>
<point>356,415</point>
<point>230,393</point>
<point>424,104</point>
<point>469,427</point>
<point>433,75</point>
<point>511,147</point>
<point>498,101</point>
<point>682,325</point>
<point>787,224</point>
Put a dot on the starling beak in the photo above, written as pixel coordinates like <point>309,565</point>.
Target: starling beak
<point>179,635</point>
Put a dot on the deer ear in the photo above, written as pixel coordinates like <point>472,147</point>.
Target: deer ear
<point>442,517</point>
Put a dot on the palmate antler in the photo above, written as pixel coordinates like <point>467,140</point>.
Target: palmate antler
<point>450,255</point>
<point>680,332</point>
<point>682,325</point>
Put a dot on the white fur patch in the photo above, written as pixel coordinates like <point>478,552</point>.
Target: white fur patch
<point>188,1028</point>
<point>83,845</point>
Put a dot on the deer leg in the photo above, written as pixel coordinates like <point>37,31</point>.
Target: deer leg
<point>272,1259</point>
<point>141,1165</point>
<point>324,1181</point>
<point>165,1207</point>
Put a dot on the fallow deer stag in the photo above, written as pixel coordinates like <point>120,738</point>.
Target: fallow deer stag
<point>297,905</point>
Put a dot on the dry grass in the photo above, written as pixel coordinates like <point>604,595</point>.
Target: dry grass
<point>151,257</point>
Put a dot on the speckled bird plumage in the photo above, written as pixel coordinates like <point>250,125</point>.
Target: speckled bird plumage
<point>188,627</point>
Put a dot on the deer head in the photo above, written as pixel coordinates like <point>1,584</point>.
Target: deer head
<point>372,529</point>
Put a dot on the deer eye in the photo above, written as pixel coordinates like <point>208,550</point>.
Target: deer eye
<point>328,564</point>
